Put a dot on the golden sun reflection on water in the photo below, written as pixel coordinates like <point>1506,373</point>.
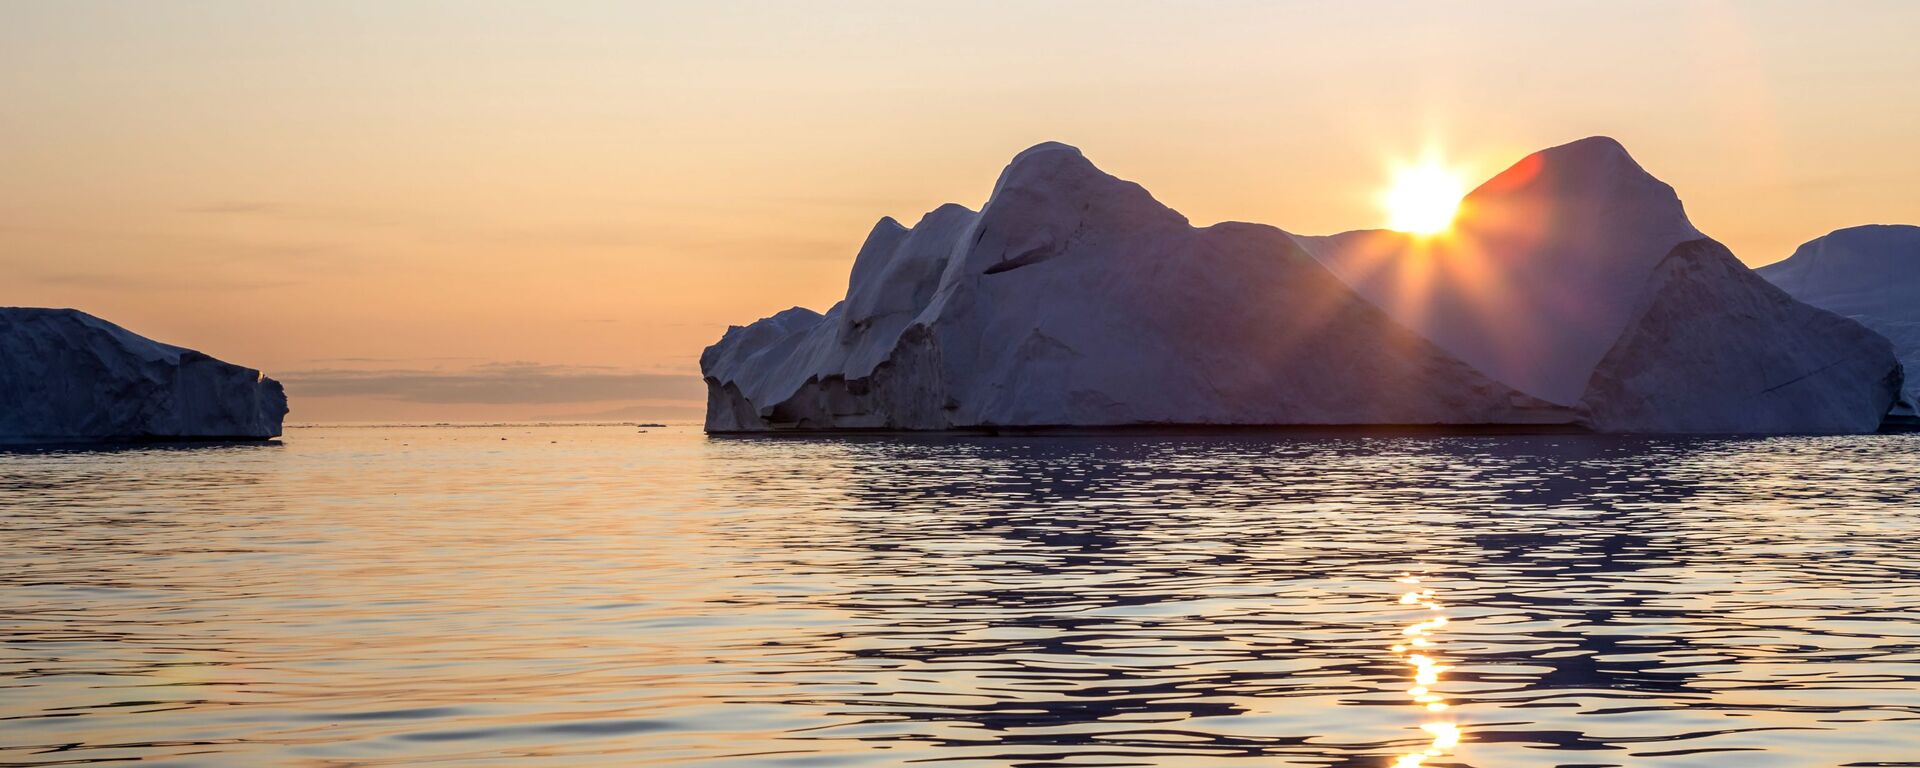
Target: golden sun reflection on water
<point>604,598</point>
<point>1416,651</point>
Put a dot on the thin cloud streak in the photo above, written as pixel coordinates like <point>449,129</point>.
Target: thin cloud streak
<point>495,384</point>
<point>130,282</point>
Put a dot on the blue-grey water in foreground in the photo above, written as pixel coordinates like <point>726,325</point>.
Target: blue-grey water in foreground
<point>606,596</point>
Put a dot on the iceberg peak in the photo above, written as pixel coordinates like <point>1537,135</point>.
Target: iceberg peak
<point>1592,149</point>
<point>1060,173</point>
<point>1047,153</point>
<point>1043,166</point>
<point>1583,170</point>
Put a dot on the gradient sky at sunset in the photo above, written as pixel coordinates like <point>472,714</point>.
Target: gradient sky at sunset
<point>484,210</point>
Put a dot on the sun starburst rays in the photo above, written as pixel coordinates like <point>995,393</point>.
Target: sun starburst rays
<point>1423,198</point>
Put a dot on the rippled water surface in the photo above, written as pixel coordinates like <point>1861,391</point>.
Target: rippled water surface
<point>605,596</point>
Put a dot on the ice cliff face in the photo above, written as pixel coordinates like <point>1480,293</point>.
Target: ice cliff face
<point>1870,274</point>
<point>1073,298</point>
<point>67,375</point>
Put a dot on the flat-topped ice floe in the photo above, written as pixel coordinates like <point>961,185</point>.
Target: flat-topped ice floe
<point>1574,293</point>
<point>1870,274</point>
<point>69,376</point>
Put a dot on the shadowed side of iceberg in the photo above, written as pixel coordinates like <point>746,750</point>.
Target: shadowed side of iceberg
<point>1541,271</point>
<point>69,376</point>
<point>1870,274</point>
<point>1713,347</point>
<point>1575,276</point>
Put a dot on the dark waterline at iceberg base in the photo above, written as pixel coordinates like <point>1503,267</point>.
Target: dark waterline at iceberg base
<point>601,596</point>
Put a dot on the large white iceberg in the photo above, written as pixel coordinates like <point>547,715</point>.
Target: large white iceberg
<point>1870,274</point>
<point>69,376</point>
<point>1576,293</point>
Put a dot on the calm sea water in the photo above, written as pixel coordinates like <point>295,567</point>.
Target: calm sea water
<point>606,596</point>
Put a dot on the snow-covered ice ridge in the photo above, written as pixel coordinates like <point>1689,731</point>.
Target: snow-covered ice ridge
<point>1870,274</point>
<point>69,376</point>
<point>1573,292</point>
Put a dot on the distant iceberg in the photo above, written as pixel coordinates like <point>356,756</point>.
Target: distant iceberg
<point>1870,274</point>
<point>69,376</point>
<point>1574,292</point>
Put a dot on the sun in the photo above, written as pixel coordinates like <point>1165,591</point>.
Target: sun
<point>1423,199</point>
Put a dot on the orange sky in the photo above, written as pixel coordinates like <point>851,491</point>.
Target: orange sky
<point>481,210</point>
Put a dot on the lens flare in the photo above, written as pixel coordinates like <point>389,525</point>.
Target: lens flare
<point>1426,673</point>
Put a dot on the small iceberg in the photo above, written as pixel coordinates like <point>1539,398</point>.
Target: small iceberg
<point>67,376</point>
